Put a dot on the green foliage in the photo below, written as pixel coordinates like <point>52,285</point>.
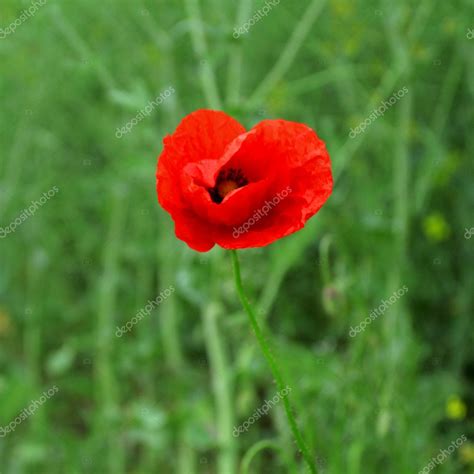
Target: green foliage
<point>165,396</point>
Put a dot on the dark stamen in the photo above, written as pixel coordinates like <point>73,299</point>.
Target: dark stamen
<point>226,182</point>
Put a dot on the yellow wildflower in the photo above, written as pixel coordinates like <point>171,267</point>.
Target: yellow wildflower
<point>455,408</point>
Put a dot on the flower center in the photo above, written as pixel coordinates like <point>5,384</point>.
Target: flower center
<point>226,182</point>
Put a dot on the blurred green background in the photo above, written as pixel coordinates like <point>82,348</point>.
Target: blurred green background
<point>166,396</point>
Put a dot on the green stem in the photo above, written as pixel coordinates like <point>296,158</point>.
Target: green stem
<point>208,79</point>
<point>254,450</point>
<point>272,363</point>
<point>234,72</point>
<point>289,51</point>
<point>108,422</point>
<point>222,388</point>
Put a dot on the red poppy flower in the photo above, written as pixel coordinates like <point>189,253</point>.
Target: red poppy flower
<point>237,189</point>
